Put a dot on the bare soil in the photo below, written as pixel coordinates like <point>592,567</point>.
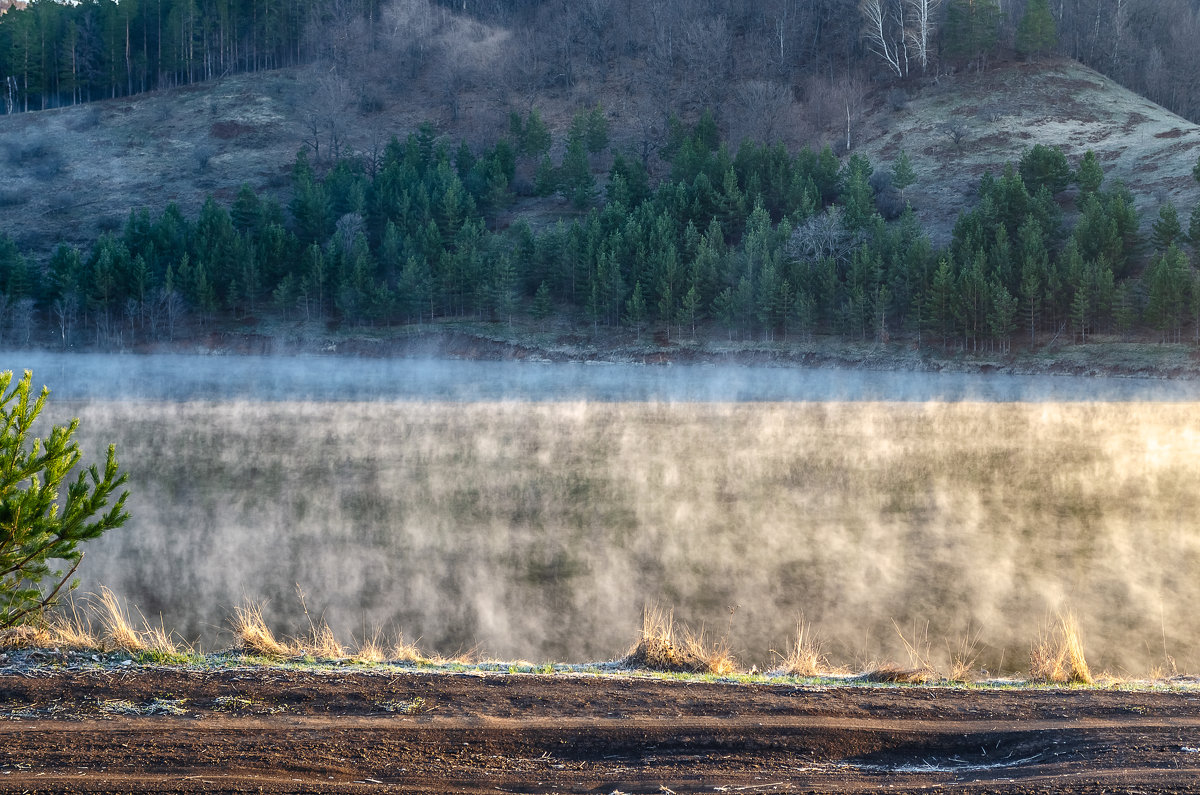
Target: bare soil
<point>172,729</point>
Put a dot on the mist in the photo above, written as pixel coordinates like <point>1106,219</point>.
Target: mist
<point>531,510</point>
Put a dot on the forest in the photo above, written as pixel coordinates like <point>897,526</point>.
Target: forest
<point>687,54</point>
<point>684,228</point>
<point>763,243</point>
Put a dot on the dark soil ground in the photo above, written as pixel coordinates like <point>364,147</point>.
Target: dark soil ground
<point>164,729</point>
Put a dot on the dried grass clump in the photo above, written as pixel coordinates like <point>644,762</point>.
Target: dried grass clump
<point>253,633</point>
<point>114,619</point>
<point>1057,656</point>
<point>120,632</point>
<point>406,652</point>
<point>964,657</point>
<point>321,643</point>
<point>370,650</point>
<point>26,636</point>
<point>805,656</point>
<point>658,648</point>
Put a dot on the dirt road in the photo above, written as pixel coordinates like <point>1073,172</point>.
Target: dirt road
<point>273,730</point>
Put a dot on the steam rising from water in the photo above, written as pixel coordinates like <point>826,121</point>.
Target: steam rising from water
<point>539,528</point>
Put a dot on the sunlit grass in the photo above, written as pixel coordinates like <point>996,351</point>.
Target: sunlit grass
<point>664,649</point>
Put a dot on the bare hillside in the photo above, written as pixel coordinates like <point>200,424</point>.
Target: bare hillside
<point>956,128</point>
<point>72,173</point>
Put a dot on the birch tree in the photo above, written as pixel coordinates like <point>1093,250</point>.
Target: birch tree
<point>919,33</point>
<point>883,27</point>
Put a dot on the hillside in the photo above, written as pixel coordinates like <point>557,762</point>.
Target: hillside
<point>72,173</point>
<point>1005,111</point>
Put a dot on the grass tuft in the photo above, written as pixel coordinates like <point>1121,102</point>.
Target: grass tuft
<point>114,619</point>
<point>1057,656</point>
<point>321,643</point>
<point>659,649</point>
<point>370,650</point>
<point>405,652</point>
<point>253,634</point>
<point>964,657</point>
<point>805,656</point>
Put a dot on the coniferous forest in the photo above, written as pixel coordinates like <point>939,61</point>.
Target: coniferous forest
<point>762,243</point>
<point>749,240</point>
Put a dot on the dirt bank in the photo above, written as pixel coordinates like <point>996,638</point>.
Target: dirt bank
<point>337,730</point>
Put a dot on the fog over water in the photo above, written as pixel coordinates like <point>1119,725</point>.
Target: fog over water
<point>333,378</point>
<point>531,509</point>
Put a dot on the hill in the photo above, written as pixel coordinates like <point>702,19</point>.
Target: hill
<point>999,114</point>
<point>73,173</point>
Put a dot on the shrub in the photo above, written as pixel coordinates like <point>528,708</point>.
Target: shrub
<point>36,526</point>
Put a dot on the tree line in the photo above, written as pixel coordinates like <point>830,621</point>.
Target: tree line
<point>675,55</point>
<point>761,243</point>
<point>54,53</point>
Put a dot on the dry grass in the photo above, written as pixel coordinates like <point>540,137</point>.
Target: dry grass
<point>370,650</point>
<point>321,643</point>
<point>963,657</point>
<point>26,636</point>
<point>253,634</point>
<point>120,632</point>
<point>1057,656</point>
<point>661,648</point>
<point>405,651</point>
<point>804,656</point>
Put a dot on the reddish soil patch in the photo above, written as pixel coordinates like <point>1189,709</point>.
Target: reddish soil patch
<point>271,730</point>
<point>1175,133</point>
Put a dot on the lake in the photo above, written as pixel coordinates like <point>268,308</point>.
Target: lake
<point>532,510</point>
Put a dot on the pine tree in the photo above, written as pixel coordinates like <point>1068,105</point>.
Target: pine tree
<point>536,137</point>
<point>38,525</point>
<point>1167,228</point>
<point>1045,166</point>
<point>1089,176</point>
<point>971,30</point>
<point>596,130</point>
<point>1036,33</point>
<point>635,310</point>
<point>542,306</point>
<point>576,182</point>
<point>903,174</point>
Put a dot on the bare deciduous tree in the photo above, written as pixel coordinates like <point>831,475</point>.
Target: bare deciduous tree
<point>821,236</point>
<point>326,115</point>
<point>883,27</point>
<point>762,111</point>
<point>702,46</point>
<point>919,33</point>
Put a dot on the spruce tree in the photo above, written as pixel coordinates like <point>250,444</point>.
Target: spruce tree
<point>542,307</point>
